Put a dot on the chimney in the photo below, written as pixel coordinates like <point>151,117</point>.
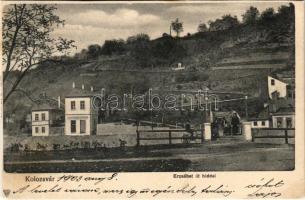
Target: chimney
<point>83,87</point>
<point>91,88</point>
<point>73,85</point>
<point>58,100</point>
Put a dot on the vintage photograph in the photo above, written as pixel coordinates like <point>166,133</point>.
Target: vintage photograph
<point>148,87</point>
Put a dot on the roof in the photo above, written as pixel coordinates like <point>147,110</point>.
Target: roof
<point>281,102</point>
<point>45,106</point>
<point>263,113</point>
<point>77,92</point>
<point>257,119</point>
<point>284,110</point>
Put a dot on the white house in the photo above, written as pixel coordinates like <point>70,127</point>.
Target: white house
<point>44,119</point>
<point>81,117</point>
<point>275,85</point>
<point>179,67</point>
<point>283,118</point>
<point>260,123</point>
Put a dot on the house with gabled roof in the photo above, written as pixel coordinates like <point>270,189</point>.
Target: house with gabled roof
<point>262,120</point>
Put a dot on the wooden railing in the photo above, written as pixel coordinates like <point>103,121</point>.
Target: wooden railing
<point>170,137</point>
<point>284,136</point>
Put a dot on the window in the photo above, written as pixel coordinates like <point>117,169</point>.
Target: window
<point>73,126</point>
<point>43,129</point>
<point>36,130</point>
<point>82,126</point>
<point>43,116</point>
<point>36,117</point>
<point>263,123</point>
<point>272,82</point>
<point>289,122</point>
<point>279,122</point>
<point>72,105</point>
<point>255,123</point>
<point>82,105</point>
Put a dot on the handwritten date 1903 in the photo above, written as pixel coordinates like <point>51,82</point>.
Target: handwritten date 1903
<point>97,180</point>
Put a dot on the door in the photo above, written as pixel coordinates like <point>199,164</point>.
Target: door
<point>82,126</point>
<point>73,126</point>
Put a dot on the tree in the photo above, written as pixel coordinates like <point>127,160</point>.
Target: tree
<point>140,49</point>
<point>202,27</point>
<point>27,42</point>
<point>94,50</point>
<point>177,26</point>
<point>113,47</point>
<point>141,37</point>
<point>226,22</point>
<point>267,16</point>
<point>251,15</point>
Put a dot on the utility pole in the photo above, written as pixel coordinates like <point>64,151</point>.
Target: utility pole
<point>206,98</point>
<point>246,107</point>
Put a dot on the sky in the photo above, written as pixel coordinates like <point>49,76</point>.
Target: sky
<point>94,23</point>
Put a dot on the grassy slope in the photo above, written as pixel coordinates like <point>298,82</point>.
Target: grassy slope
<point>241,45</point>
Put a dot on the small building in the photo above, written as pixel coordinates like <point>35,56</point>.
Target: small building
<point>276,86</point>
<point>283,118</point>
<point>179,67</point>
<point>81,117</point>
<point>46,120</point>
<point>259,123</point>
<point>262,119</point>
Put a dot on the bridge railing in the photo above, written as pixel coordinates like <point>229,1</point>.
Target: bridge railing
<point>197,134</point>
<point>260,133</point>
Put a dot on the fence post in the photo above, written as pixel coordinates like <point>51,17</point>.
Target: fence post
<point>138,138</point>
<point>286,136</point>
<point>247,131</point>
<point>170,137</point>
<point>207,131</point>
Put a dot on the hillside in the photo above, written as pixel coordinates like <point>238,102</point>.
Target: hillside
<point>237,59</point>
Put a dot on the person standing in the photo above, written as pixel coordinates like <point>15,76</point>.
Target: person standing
<point>235,123</point>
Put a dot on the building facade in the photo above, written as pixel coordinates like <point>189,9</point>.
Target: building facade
<point>283,118</point>
<point>46,120</point>
<point>259,123</point>
<point>81,117</point>
<point>276,86</point>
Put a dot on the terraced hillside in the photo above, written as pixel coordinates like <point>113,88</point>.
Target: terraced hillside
<point>237,59</point>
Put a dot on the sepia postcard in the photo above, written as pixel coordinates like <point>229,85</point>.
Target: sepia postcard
<point>152,99</point>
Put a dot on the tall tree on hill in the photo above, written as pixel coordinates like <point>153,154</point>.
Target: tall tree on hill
<point>177,26</point>
<point>94,50</point>
<point>140,49</point>
<point>251,16</point>
<point>267,16</point>
<point>226,22</point>
<point>111,47</point>
<point>27,41</point>
<point>202,27</point>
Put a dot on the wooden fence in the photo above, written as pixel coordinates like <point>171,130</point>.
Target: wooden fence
<point>284,134</point>
<point>170,137</point>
